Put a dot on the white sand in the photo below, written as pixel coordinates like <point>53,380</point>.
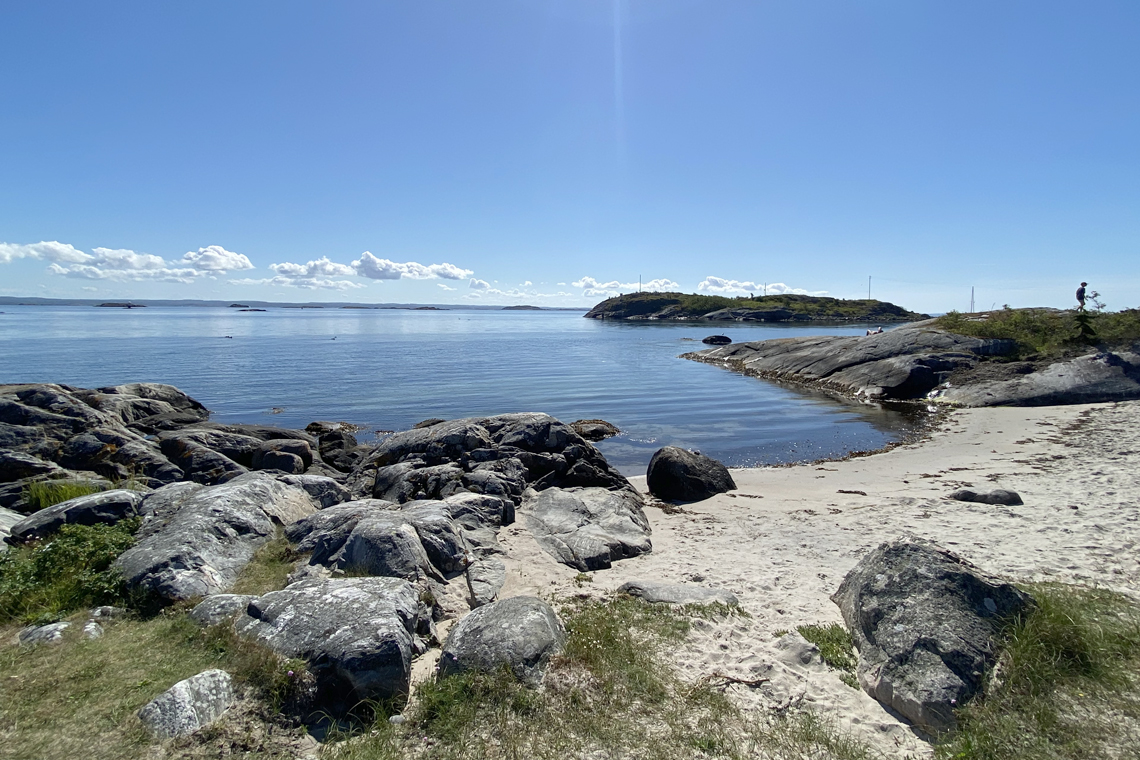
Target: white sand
<point>784,541</point>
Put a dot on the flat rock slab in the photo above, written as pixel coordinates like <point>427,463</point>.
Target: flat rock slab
<point>204,543</point>
<point>106,507</point>
<point>521,633</point>
<point>925,624</point>
<point>188,705</point>
<point>355,633</point>
<point>1088,379</point>
<point>588,528</point>
<point>677,593</point>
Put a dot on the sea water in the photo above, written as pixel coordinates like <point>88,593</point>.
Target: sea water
<point>387,369</point>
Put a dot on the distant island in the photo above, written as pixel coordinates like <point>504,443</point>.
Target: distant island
<point>781,308</point>
<point>122,305</point>
<point>522,308</point>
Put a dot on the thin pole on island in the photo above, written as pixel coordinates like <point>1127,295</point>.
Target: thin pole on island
<point>971,299</point>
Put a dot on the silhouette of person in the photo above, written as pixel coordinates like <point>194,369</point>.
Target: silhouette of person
<point>1081,295</point>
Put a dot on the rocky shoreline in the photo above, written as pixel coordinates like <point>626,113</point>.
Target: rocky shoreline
<point>919,361</point>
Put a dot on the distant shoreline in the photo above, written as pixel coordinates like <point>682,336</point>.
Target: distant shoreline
<point>121,303</point>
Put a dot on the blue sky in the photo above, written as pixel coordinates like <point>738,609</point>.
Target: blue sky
<point>530,151</point>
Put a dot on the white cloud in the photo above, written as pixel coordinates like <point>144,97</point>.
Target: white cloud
<point>124,265</point>
<point>721,285</point>
<point>383,269</point>
<point>526,284</point>
<point>48,251</point>
<point>595,288</point>
<point>123,259</point>
<point>479,284</point>
<point>214,258</point>
<point>322,267</point>
<point>445,287</point>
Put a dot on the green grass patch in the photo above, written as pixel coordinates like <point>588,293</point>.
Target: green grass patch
<point>42,494</point>
<point>1047,332</point>
<point>45,580</point>
<point>1066,687</point>
<point>79,698</point>
<point>834,644</point>
<point>611,693</point>
<point>268,570</point>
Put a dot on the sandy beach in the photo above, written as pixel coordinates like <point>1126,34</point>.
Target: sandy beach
<point>785,539</point>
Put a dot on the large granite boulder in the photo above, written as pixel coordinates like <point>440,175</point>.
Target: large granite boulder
<point>203,544</point>
<point>234,446</point>
<point>188,705</point>
<point>588,528</point>
<point>678,475</point>
<point>357,634</point>
<point>133,402</point>
<point>925,624</point>
<point>521,633</point>
<point>106,507</point>
<point>594,430</point>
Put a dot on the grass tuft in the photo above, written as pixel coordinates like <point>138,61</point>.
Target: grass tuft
<point>43,581</point>
<point>834,644</point>
<point>269,568</point>
<point>1067,685</point>
<point>42,494</point>
<point>611,693</point>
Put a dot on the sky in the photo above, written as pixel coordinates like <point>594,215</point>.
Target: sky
<point>556,152</point>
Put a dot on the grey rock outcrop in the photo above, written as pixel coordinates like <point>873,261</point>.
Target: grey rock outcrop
<point>357,634</point>
<point>588,528</point>
<point>907,362</point>
<point>1095,378</point>
<point>16,465</point>
<point>204,543</point>
<point>325,491</point>
<point>521,633</point>
<point>437,540</point>
<point>188,705</point>
<point>272,454</point>
<point>675,474</point>
<point>677,593</point>
<point>498,456</point>
<point>107,507</point>
<point>924,622</point>
<point>999,496</point>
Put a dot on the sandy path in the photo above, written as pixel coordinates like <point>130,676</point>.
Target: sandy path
<point>783,542</point>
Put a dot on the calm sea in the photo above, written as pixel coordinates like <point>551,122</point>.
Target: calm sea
<point>388,369</point>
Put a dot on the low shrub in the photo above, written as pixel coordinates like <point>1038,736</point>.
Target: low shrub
<point>1048,332</point>
<point>835,648</point>
<point>43,581</point>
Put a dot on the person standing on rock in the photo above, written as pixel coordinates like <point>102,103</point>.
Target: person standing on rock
<point>1081,296</point>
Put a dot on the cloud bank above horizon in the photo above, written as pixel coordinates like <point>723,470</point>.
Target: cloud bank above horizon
<point>215,263</point>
